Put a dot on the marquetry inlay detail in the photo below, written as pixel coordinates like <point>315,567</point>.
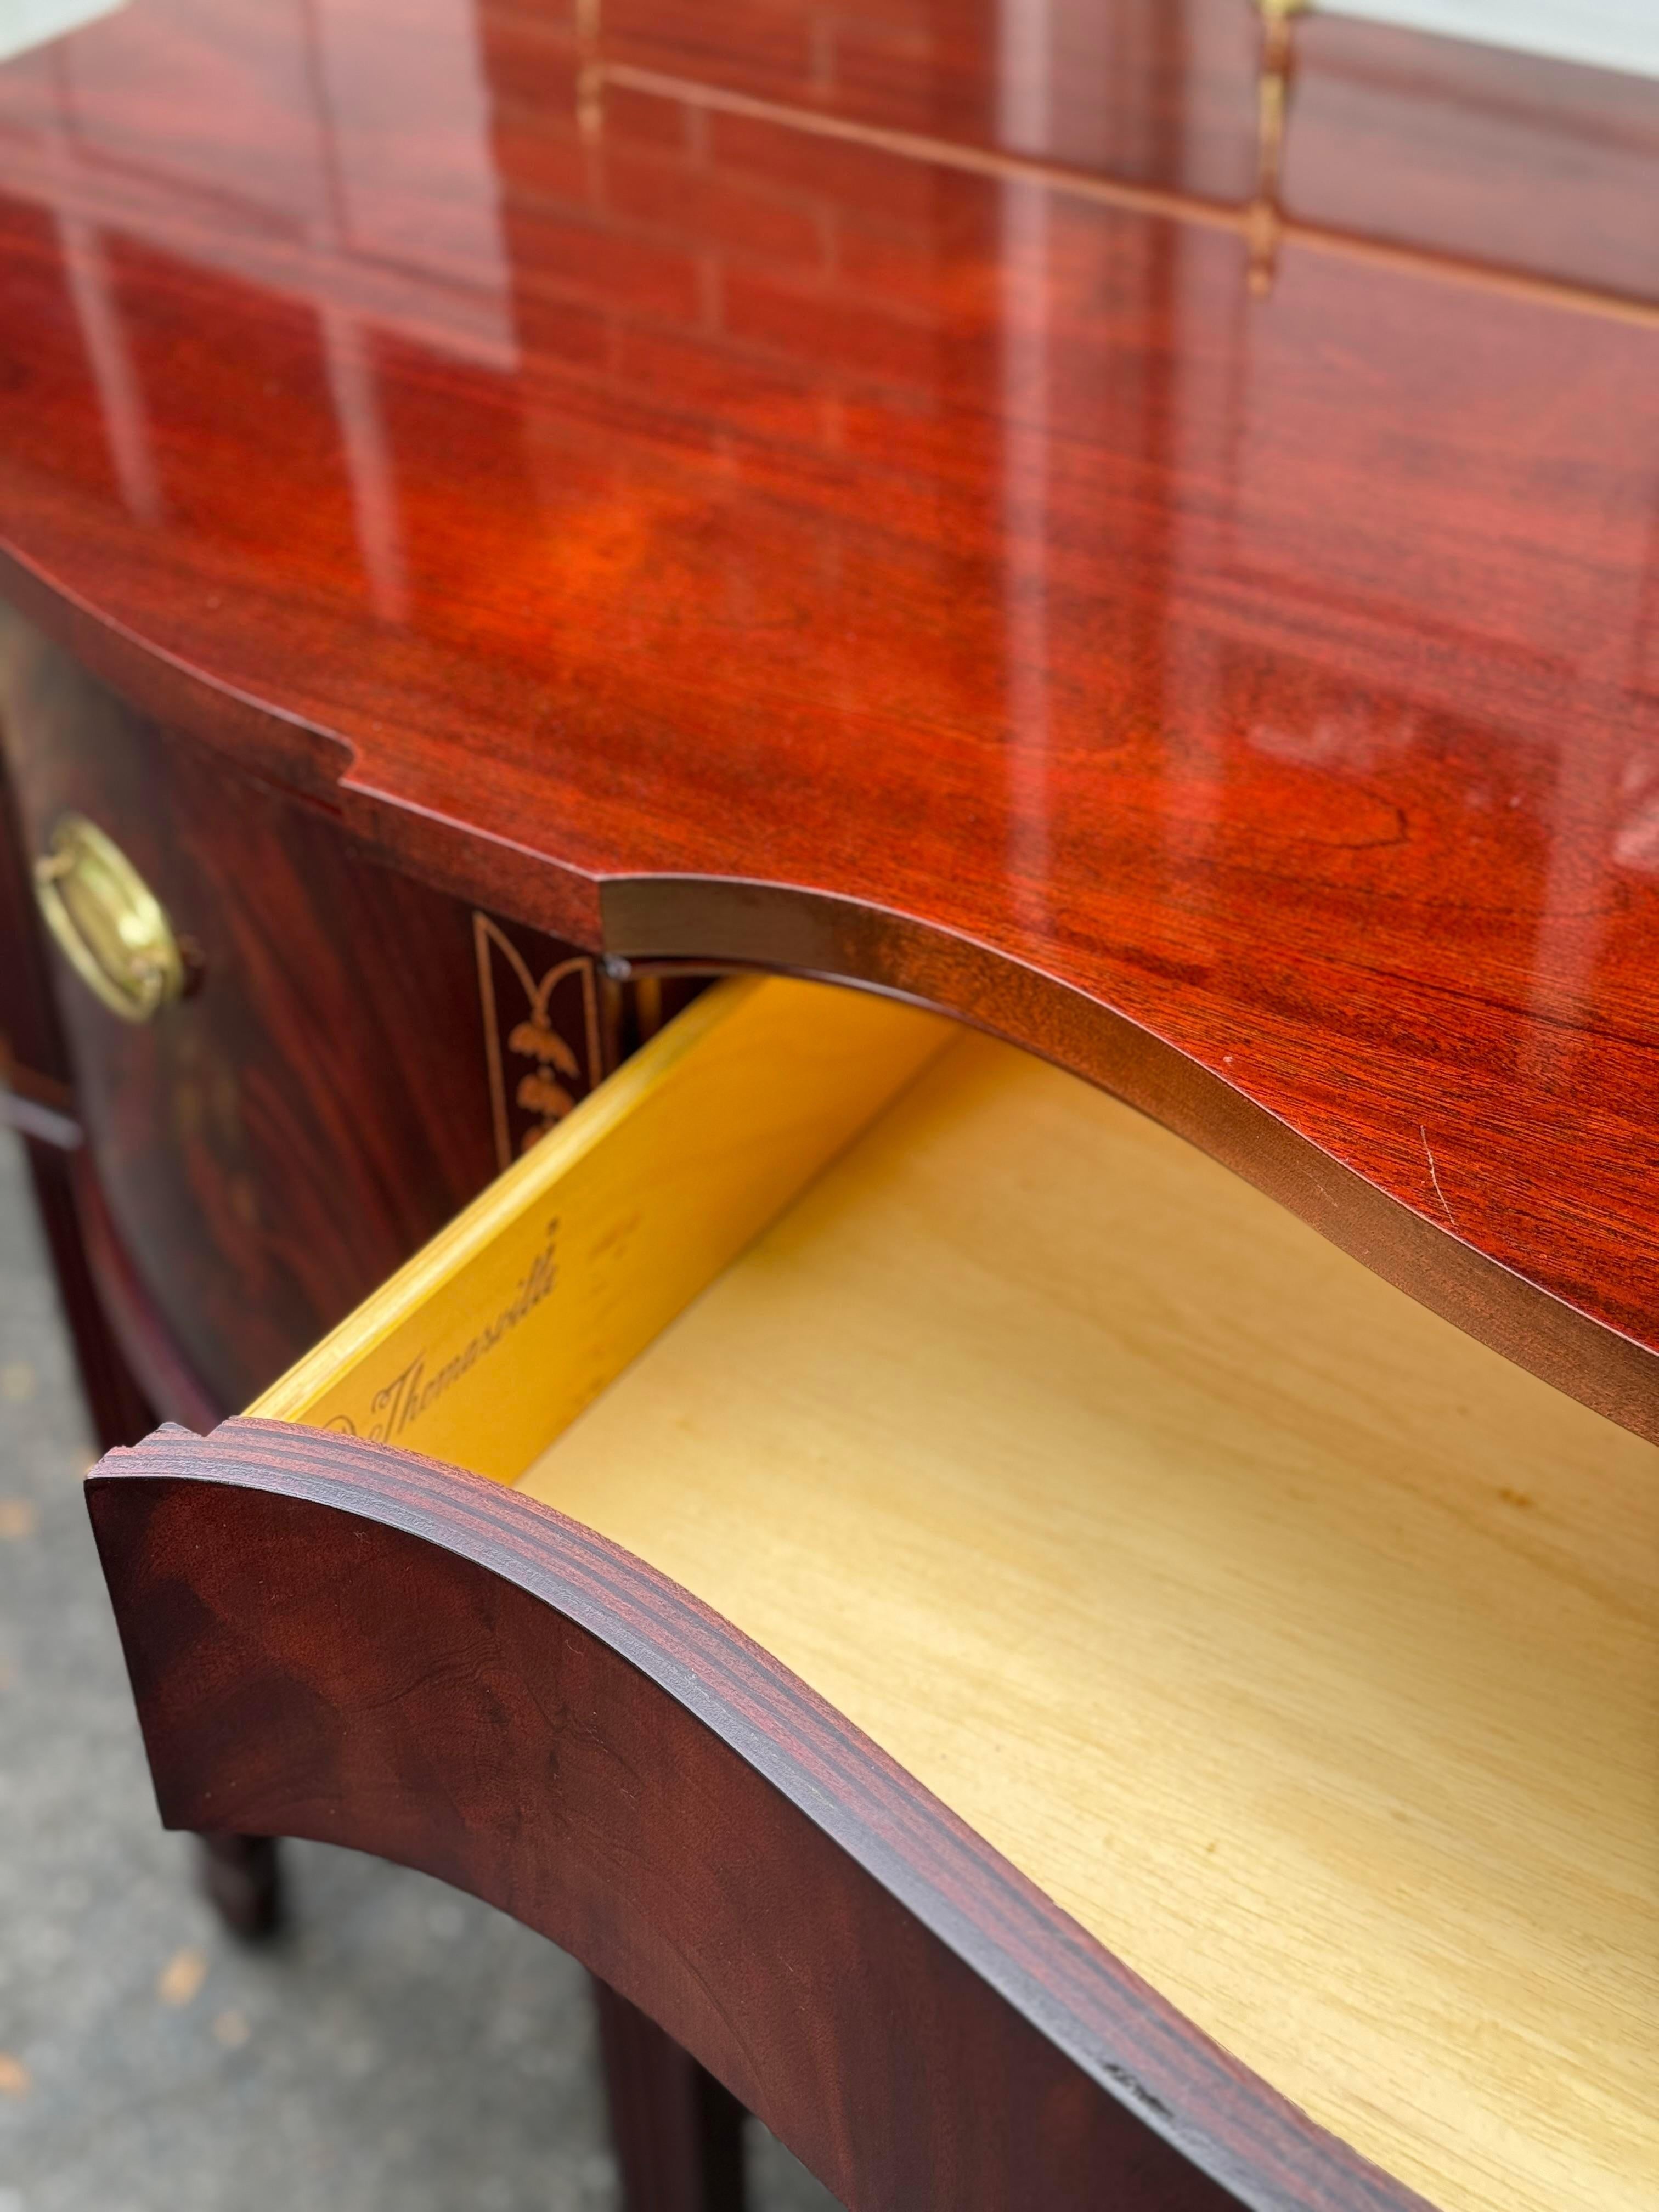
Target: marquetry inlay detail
<point>541,1040</point>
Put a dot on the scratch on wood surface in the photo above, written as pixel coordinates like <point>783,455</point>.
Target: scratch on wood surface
<point>1434,1177</point>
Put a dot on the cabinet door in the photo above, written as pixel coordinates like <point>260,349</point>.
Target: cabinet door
<point>357,1053</point>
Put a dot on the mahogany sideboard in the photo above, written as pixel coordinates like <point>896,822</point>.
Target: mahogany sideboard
<point>1030,1522</point>
<point>361,1054</point>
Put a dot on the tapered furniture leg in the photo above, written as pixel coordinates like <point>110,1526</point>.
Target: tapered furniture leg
<point>241,1878</point>
<point>678,2132</point>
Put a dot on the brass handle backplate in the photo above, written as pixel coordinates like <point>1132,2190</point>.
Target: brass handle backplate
<point>108,923</point>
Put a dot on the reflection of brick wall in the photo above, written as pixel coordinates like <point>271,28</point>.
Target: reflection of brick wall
<point>714,257</point>
<point>892,62</point>
<point>1161,90</point>
<point>1392,133</point>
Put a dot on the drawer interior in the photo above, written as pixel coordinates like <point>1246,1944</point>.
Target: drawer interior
<point>1302,1647</point>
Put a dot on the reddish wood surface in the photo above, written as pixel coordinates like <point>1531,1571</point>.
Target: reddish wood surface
<point>333,1639</point>
<point>710,538</point>
<point>677,2131</point>
<point>140,1321</point>
<point>36,1059</point>
<point>241,1878</point>
<point>262,1157</point>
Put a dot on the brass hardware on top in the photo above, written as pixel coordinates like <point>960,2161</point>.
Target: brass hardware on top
<point>1266,219</point>
<point>590,72</point>
<point>107,922</point>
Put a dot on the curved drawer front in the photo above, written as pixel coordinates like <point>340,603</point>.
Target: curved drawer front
<point>1298,1649</point>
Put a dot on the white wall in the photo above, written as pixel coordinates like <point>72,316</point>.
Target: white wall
<point>25,23</point>
<point>1615,34</point>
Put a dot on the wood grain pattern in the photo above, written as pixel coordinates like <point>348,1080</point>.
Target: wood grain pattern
<point>266,1154</point>
<point>572,1262</point>
<point>328,1637</point>
<point>700,539</point>
<point>34,1056</point>
<point>1303,1651</point>
<point>1432,143</point>
<point>677,2133</point>
<point>326,1107</point>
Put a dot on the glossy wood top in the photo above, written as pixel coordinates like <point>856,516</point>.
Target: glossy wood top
<point>848,508</point>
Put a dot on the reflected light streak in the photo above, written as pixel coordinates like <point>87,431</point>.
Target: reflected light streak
<point>1025,78</point>
<point>120,397</point>
<point>356,402</point>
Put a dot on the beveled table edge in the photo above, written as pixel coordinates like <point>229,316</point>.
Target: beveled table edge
<point>796,930</point>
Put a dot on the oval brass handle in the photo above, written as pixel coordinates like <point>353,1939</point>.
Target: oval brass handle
<point>110,926</point>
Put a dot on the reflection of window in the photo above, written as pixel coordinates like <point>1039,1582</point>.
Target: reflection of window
<point>25,23</point>
<point>368,197</point>
<point>383,167</point>
<point>1637,843</point>
<point>1615,34</point>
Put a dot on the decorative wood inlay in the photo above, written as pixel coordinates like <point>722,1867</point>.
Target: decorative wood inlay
<point>550,1055</point>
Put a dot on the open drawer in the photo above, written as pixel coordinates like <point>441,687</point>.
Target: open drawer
<point>1302,1650</point>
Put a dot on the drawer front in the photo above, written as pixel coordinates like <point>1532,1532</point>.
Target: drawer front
<point>361,1054</point>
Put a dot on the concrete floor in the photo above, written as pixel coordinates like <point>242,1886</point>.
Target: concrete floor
<point>402,2046</point>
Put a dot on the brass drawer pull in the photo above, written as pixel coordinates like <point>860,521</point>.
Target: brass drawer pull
<point>108,923</point>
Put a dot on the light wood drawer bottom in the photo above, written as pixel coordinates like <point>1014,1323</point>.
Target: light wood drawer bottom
<point>1302,1649</point>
